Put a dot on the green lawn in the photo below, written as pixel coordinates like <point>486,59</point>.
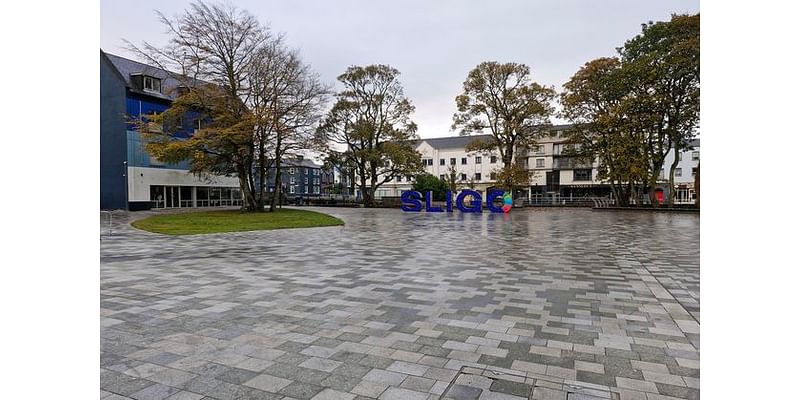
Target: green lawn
<point>193,223</point>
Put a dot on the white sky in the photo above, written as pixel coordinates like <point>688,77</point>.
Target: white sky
<point>434,44</point>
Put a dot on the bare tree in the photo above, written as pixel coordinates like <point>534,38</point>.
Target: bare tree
<point>288,100</point>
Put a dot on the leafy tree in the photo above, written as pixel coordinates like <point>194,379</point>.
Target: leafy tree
<point>629,112</point>
<point>503,99</point>
<point>591,101</point>
<point>451,179</point>
<point>426,182</point>
<point>211,44</point>
<point>371,118</point>
<point>662,65</point>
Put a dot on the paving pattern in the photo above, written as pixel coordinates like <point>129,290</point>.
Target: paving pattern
<point>535,304</point>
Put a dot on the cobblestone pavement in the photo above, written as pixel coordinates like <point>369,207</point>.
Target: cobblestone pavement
<point>543,304</point>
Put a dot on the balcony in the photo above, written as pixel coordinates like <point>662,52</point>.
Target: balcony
<point>570,163</point>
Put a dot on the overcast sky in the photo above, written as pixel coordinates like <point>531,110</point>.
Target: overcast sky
<point>434,44</point>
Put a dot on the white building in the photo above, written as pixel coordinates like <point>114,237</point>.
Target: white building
<point>555,178</point>
<point>688,161</point>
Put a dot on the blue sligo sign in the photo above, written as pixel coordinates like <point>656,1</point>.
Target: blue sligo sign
<point>412,201</point>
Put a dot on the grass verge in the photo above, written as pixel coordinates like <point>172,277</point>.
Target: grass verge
<point>195,223</point>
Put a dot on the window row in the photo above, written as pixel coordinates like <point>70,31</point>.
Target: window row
<point>314,171</point>
<point>293,190</point>
<point>464,160</point>
<point>293,180</point>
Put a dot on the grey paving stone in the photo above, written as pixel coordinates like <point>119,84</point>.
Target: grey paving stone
<point>582,293</point>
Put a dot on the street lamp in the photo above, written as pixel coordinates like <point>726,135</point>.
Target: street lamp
<point>125,175</point>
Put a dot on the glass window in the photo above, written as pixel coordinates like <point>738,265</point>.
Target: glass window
<point>557,149</point>
<point>441,161</point>
<point>291,171</point>
<point>582,175</point>
<point>493,159</point>
<point>493,176</point>
<point>441,176</point>
<point>695,155</point>
<point>152,84</point>
<point>292,189</point>
<point>540,163</point>
<point>678,172</point>
<point>463,177</point>
<point>478,160</point>
<point>292,181</point>
<point>463,160</point>
<point>453,161</point>
<point>305,180</point>
<point>477,176</point>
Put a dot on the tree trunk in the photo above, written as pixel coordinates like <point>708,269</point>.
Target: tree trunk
<point>262,174</point>
<point>672,167</point>
<point>249,201</point>
<point>365,193</point>
<point>277,161</point>
<point>277,193</point>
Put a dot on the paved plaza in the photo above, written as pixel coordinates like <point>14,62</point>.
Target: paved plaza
<point>541,304</point>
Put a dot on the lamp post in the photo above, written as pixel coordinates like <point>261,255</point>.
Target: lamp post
<point>125,175</point>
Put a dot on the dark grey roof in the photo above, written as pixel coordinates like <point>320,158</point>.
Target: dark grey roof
<point>293,162</point>
<point>455,142</point>
<point>127,68</point>
<point>694,143</point>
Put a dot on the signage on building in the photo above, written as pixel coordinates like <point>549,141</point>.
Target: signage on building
<point>468,201</point>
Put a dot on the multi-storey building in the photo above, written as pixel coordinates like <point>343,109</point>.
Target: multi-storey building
<point>555,177</point>
<point>688,161</point>
<point>301,177</point>
<point>129,177</point>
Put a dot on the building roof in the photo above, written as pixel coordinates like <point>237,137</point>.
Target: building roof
<point>455,142</point>
<point>128,68</point>
<point>305,162</point>
<point>695,143</point>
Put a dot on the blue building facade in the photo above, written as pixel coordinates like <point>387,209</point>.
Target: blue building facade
<point>129,177</point>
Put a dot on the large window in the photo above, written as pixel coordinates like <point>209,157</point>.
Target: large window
<point>463,160</point>
<point>478,160</point>
<point>453,161</point>
<point>202,196</point>
<point>582,175</point>
<point>157,196</point>
<point>478,176</point>
<point>493,159</point>
<point>441,161</point>
<point>540,163</point>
